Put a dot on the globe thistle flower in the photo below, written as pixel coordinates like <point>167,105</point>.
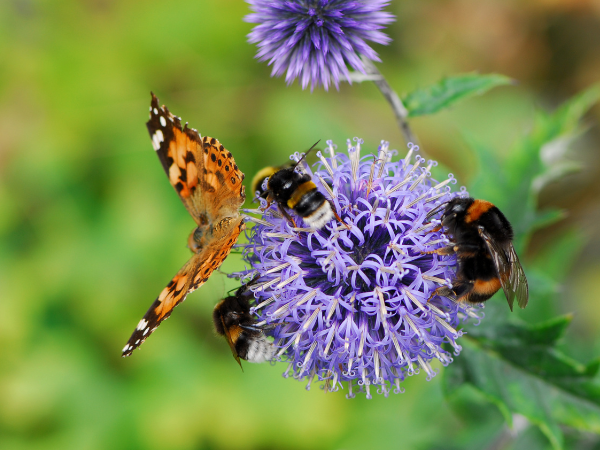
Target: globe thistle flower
<point>349,303</point>
<point>315,40</point>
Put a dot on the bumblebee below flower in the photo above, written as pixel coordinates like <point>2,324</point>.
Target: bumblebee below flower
<point>350,302</point>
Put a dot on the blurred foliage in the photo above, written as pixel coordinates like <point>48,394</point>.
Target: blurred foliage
<point>450,90</point>
<point>90,230</point>
<point>515,365</point>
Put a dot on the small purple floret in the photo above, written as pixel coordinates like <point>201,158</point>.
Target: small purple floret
<point>316,40</point>
<point>350,304</point>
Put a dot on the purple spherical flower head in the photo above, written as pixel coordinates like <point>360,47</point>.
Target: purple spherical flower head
<point>315,40</point>
<point>349,303</point>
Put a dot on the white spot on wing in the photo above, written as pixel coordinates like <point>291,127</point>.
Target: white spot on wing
<point>143,324</point>
<point>125,348</point>
<point>163,122</point>
<point>155,111</point>
<point>157,138</point>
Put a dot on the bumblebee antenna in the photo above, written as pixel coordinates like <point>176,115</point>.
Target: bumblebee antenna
<point>231,290</point>
<point>435,210</point>
<point>307,152</point>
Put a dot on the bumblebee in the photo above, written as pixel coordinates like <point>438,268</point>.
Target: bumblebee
<point>296,191</point>
<point>233,321</point>
<point>481,238</point>
<point>261,176</point>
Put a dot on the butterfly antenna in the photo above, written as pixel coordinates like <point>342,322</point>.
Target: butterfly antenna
<point>307,152</point>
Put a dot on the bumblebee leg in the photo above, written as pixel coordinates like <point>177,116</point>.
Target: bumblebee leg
<point>336,215</point>
<point>462,288</point>
<point>438,228</point>
<point>286,214</point>
<point>449,250</point>
<point>466,250</point>
<point>269,202</point>
<point>443,291</point>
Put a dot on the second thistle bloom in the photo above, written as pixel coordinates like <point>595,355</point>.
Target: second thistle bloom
<point>350,303</point>
<point>316,40</point>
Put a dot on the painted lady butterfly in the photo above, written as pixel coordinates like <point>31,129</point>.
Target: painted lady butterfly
<point>209,183</point>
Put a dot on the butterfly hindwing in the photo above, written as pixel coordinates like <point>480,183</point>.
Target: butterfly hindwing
<point>174,293</point>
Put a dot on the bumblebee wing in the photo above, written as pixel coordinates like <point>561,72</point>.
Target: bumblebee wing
<point>231,344</point>
<point>510,272</point>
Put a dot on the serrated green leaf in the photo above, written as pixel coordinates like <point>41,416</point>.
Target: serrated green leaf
<point>518,367</point>
<point>445,93</point>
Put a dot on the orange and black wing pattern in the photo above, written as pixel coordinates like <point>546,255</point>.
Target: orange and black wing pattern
<point>209,183</point>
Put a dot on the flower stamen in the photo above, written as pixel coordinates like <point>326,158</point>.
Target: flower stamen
<point>352,303</point>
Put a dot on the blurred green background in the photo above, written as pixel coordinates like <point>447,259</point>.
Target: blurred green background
<point>91,230</point>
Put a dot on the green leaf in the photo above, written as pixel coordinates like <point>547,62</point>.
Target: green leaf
<point>546,217</point>
<point>555,258</point>
<point>534,161</point>
<point>445,93</point>
<point>518,368</point>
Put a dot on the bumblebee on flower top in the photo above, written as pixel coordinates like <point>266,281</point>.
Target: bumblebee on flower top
<point>291,189</point>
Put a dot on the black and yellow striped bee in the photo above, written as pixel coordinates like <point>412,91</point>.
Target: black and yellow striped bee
<point>233,321</point>
<point>291,189</point>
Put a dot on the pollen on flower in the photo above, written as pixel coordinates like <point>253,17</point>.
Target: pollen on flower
<point>350,303</point>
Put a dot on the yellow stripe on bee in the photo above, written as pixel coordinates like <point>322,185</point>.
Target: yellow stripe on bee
<point>304,188</point>
<point>260,176</point>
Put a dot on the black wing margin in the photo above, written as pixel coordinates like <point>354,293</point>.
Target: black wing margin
<point>511,274</point>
